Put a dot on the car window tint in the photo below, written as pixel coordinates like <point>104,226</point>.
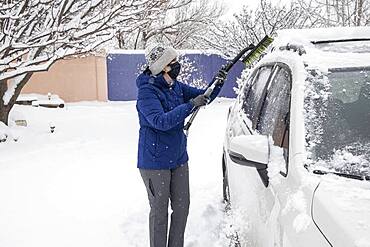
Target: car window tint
<point>253,93</point>
<point>274,114</point>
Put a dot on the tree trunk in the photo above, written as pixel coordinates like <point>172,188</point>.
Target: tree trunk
<point>327,13</point>
<point>137,40</point>
<point>144,39</point>
<point>343,13</point>
<point>4,116</point>
<point>359,12</point>
<point>5,109</point>
<point>337,10</point>
<point>121,39</point>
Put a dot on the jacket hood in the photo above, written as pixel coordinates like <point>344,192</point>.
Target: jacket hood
<point>147,78</point>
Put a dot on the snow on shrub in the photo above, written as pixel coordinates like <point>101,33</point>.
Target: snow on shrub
<point>4,132</point>
<point>242,80</point>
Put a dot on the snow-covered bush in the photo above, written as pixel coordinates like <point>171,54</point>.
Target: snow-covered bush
<point>4,132</point>
<point>242,80</point>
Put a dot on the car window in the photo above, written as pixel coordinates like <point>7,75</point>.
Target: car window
<point>252,94</point>
<point>274,117</point>
<point>275,108</point>
<point>337,122</point>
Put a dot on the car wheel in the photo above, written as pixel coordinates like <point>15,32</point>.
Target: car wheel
<point>225,182</point>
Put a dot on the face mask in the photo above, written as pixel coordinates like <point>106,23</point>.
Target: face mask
<point>175,70</point>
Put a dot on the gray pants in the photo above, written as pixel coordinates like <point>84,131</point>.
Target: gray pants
<point>162,185</point>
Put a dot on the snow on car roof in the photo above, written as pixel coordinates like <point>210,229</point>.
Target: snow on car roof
<point>321,34</point>
<point>332,55</point>
<point>329,60</point>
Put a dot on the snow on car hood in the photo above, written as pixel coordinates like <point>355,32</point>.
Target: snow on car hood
<point>341,209</point>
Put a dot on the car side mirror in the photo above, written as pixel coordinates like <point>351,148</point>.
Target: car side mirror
<point>252,151</point>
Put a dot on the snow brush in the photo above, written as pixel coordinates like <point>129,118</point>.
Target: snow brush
<point>255,52</point>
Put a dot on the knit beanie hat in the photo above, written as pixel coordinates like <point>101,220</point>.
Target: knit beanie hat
<point>158,57</point>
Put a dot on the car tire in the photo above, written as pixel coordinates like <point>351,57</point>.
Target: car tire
<point>225,182</point>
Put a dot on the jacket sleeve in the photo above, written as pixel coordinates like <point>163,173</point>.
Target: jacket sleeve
<point>192,92</point>
<point>149,105</point>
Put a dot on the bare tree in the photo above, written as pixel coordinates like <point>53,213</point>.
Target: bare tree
<point>359,11</point>
<point>34,34</point>
<point>177,24</point>
<point>189,22</point>
<point>331,13</point>
<point>249,26</point>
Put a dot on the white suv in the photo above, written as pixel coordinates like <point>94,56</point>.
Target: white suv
<point>296,158</point>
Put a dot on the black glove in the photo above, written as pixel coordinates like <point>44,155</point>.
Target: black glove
<point>200,100</point>
<point>221,76</point>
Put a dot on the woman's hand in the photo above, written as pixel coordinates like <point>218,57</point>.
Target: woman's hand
<point>221,76</point>
<point>200,100</point>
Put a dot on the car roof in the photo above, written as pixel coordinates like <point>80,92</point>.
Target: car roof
<point>322,34</point>
<point>327,48</point>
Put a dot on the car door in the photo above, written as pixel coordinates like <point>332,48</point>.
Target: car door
<point>265,110</point>
<point>273,121</point>
<point>244,183</point>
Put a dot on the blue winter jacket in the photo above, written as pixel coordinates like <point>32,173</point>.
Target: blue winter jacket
<point>162,110</point>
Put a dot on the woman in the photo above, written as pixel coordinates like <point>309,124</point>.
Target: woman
<point>163,103</point>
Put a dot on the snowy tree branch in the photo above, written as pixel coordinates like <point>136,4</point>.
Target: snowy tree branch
<point>35,34</point>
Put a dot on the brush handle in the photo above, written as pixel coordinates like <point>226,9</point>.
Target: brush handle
<point>215,83</point>
<point>236,59</point>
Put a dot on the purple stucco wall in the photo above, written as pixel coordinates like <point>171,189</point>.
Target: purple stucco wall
<point>123,69</point>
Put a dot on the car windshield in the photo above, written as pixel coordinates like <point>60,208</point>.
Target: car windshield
<point>338,120</point>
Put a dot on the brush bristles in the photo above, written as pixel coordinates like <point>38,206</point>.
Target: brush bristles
<point>258,50</point>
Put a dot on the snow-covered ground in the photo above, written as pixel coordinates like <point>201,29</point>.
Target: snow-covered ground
<point>80,186</point>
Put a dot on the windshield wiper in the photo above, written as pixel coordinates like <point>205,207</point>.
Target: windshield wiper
<point>338,41</point>
<point>346,175</point>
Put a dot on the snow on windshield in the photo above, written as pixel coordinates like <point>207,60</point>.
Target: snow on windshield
<point>337,120</point>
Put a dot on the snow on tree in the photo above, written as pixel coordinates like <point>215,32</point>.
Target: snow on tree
<point>179,24</point>
<point>250,26</point>
<point>35,34</point>
<point>332,13</point>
